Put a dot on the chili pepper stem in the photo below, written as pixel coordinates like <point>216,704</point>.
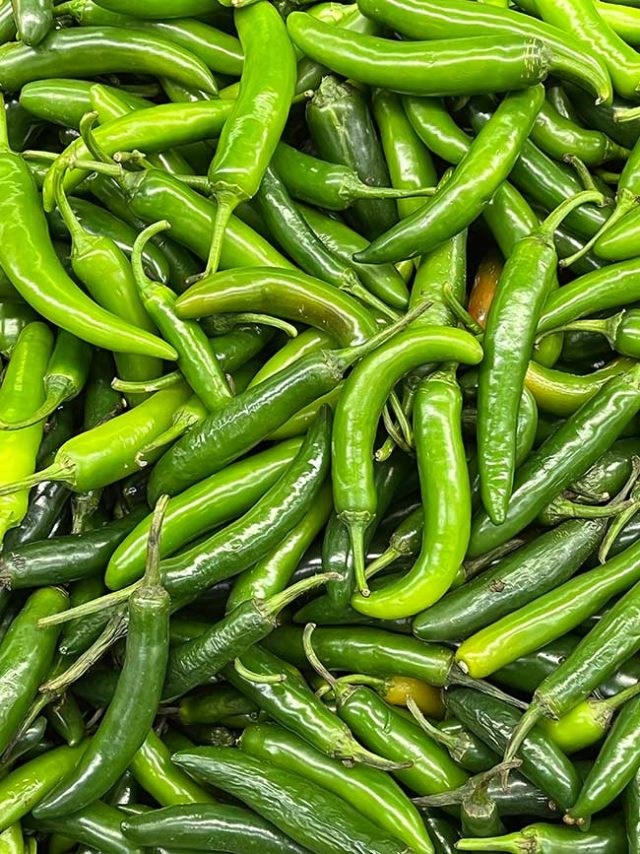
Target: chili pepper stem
<point>359,190</point>
<point>267,320</point>
<point>145,386</point>
<point>353,285</point>
<point>143,282</point>
<point>227,202</point>
<point>600,326</point>
<point>526,723</point>
<point>460,311</point>
<point>572,510</point>
<point>402,419</point>
<point>168,437</point>
<point>258,678</point>
<point>556,217</point>
<point>274,604</point>
<point>432,731</point>
<point>92,607</point>
<point>56,471</point>
<point>458,677</point>
<point>87,123</point>
<point>514,844</point>
<point>388,556</point>
<point>152,576</point>
<point>480,781</point>
<point>54,398</point>
<point>392,429</point>
<point>357,524</point>
<point>618,524</point>
<point>626,201</point>
<point>628,114</point>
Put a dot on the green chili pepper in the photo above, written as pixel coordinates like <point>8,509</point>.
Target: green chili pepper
<point>466,749</point>
<point>201,508</point>
<point>259,114</point>
<point>632,814</point>
<point>559,137</point>
<point>320,821</point>
<point>569,452</point>
<point>357,414</point>
<point>542,762</point>
<point>21,394</point>
<point>63,559</point>
<point>64,102</point>
<point>605,837</point>
<point>502,371</point>
<point>97,824</point>
<point>26,653</point>
<point>368,790</point>
<point>432,19</point>
<point>132,709</point>
<point>561,393</point>
<point>152,768</point>
<point>65,718</point>
<point>219,702</point>
<point>151,9</point>
<point>207,827</point>
<point>64,379</point>
<point>34,19</point>
<point>464,195</point>
<point>14,316</point>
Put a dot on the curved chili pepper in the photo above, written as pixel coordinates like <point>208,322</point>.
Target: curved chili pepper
<point>431,19</point>
<point>622,331</point>
<point>26,654</point>
<point>201,508</point>
<point>570,451</point>
<point>561,393</point>
<point>152,768</point>
<point>357,414</point>
<point>97,824</point>
<point>320,820</point>
<point>368,790</point>
<point>342,131</point>
<point>238,829</point>
<point>559,137</point>
<point>604,837</point>
<point>502,371</point>
<point>259,114</point>
<point>464,196</point>
<point>64,102</point>
<point>133,707</point>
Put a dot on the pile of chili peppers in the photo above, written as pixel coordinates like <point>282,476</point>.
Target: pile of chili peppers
<point>320,426</point>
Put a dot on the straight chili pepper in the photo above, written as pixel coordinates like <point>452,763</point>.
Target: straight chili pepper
<point>257,120</point>
<point>605,837</point>
<point>34,19</point>
<point>150,9</point>
<point>632,814</point>
<point>97,824</point>
<point>64,102</point>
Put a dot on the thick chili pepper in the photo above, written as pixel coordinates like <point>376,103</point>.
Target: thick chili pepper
<point>432,19</point>
<point>463,197</point>
<point>570,451</point>
<point>207,827</point>
<point>26,654</point>
<point>133,707</point>
<point>371,792</point>
<point>271,575</point>
<point>542,762</point>
<point>534,569</point>
<point>357,414</point>
<point>21,394</point>
<point>64,379</point>
<point>63,559</point>
<point>96,824</point>
<point>201,508</point>
<point>259,114</point>
<point>605,837</point>
<point>502,371</point>
<point>343,132</point>
<point>34,19</point>
<point>152,768</point>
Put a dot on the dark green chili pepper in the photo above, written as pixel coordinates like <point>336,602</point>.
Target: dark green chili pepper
<point>78,635</point>
<point>343,132</point>
<point>569,452</point>
<point>26,654</point>
<point>605,837</point>
<point>63,559</point>
<point>201,508</point>
<point>542,762</point>
<point>470,752</point>
<point>309,814</point>
<point>558,137</point>
<point>535,568</point>
<point>433,19</point>
<point>368,790</point>
<point>64,379</point>
<point>631,800</point>
<point>34,19</point>
<point>217,703</point>
<point>133,707</point>
<point>206,827</point>
<point>464,195</point>
<point>96,824</point>
<point>258,117</point>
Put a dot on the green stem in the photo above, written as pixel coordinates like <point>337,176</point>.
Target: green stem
<point>584,176</point>
<point>556,217</point>
<point>562,508</point>
<point>56,471</point>
<point>312,657</point>
<point>144,386</point>
<point>401,418</point>
<point>357,524</point>
<point>87,123</point>
<point>92,607</point>
<point>513,843</point>
<point>392,429</point>
<point>258,678</point>
<point>143,282</point>
<point>460,312</point>
<point>267,320</point>
<point>629,114</point>
<point>152,575</point>
<point>276,603</point>
<point>170,435</point>
<point>51,403</point>
<point>388,556</point>
<point>445,738</point>
<point>626,202</point>
<point>524,725</point>
<point>227,203</point>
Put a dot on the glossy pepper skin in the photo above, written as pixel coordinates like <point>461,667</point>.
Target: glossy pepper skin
<point>605,837</point>
<point>97,824</point>
<point>463,197</point>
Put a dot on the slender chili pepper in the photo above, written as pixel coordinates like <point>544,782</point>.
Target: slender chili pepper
<point>371,792</point>
<point>621,330</point>
<point>383,280</point>
<point>632,814</point>
<point>561,393</point>
<point>21,394</point>
<point>431,19</point>
<point>272,574</point>
<point>502,371</point>
<point>537,567</point>
<point>63,559</point>
<point>259,114</point>
<point>218,440</point>
<point>569,452</point>
<point>107,453</point>
<point>64,102</point>
<point>357,414</point>
<point>446,503</point>
<point>26,654</point>
<point>65,718</point>
<point>151,9</point>
<point>64,379</point>
<point>202,826</point>
<point>34,19</point>
<point>542,761</point>
<point>201,508</point>
<point>152,768</point>
<point>96,824</point>
<point>126,723</point>
<point>605,837</point>
<point>219,702</point>
<point>297,239</point>
<point>559,137</point>
<point>342,130</point>
<point>464,195</point>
